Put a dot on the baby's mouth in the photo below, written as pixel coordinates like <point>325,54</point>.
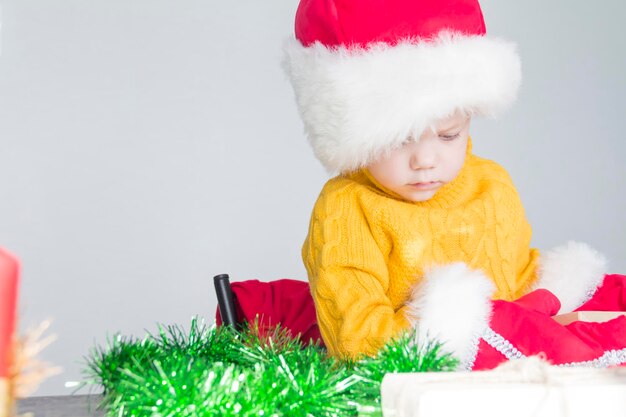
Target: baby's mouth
<point>427,185</point>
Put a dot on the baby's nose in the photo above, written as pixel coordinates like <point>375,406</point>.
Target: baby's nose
<point>422,156</point>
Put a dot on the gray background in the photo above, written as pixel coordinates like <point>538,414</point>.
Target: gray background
<point>147,145</point>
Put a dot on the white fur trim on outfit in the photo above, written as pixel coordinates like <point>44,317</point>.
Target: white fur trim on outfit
<point>571,272</point>
<point>453,305</point>
<point>359,103</point>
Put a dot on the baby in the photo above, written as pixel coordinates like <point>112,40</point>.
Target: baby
<point>414,222</point>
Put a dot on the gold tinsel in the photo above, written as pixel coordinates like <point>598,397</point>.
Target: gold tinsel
<point>27,371</point>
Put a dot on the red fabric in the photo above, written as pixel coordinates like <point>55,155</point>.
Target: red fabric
<point>360,22</point>
<point>610,296</point>
<point>9,284</point>
<point>527,324</point>
<point>286,302</point>
<point>540,301</point>
<point>610,335</point>
<point>529,327</point>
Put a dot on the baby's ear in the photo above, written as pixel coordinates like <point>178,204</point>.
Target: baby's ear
<point>572,272</point>
<point>452,304</point>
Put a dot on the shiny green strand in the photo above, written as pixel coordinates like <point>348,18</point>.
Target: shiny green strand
<point>217,371</point>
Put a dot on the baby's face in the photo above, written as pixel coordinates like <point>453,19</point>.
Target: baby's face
<point>419,168</point>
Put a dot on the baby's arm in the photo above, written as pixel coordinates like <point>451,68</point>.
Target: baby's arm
<point>349,278</point>
<point>572,271</point>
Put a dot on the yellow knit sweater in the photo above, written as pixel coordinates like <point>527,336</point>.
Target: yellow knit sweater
<point>367,249</point>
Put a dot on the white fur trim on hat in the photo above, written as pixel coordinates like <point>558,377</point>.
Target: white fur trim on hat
<point>571,272</point>
<point>453,305</point>
<point>357,103</point>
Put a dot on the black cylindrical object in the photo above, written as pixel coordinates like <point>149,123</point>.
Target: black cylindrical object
<point>225,300</point>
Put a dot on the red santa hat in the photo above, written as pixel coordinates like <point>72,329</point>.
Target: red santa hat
<point>369,73</point>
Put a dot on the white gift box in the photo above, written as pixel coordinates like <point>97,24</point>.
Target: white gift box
<point>522,388</point>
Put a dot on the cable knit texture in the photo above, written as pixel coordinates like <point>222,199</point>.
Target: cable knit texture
<point>367,249</point>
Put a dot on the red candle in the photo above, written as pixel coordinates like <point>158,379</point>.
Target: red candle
<point>9,272</point>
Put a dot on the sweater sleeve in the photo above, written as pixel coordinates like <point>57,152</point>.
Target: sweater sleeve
<point>524,258</point>
<point>349,277</point>
<point>527,262</point>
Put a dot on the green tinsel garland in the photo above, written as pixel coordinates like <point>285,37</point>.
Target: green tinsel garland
<point>211,371</point>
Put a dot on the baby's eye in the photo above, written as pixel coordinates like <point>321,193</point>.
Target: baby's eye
<point>448,138</point>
